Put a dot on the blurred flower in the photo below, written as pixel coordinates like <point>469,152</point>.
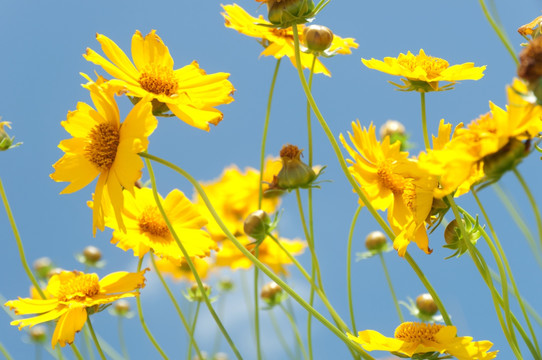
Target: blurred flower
<point>73,293</point>
<point>182,271</point>
<point>146,229</point>
<point>423,72</point>
<point>280,42</point>
<point>532,28</point>
<point>102,147</point>
<point>188,92</point>
<point>419,338</point>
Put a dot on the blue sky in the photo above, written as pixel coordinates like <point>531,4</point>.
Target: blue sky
<point>40,66</point>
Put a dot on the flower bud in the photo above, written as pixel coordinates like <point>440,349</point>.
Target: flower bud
<point>495,165</point>
<point>294,173</point>
<point>452,233</point>
<point>54,271</point>
<point>256,225</point>
<point>396,131</point>
<point>38,334</point>
<point>225,285</point>
<point>272,293</point>
<point>122,307</point>
<point>42,266</point>
<point>6,142</point>
<point>530,61</point>
<point>194,293</point>
<point>285,13</point>
<point>317,38</point>
<point>375,241</point>
<point>426,304</point>
<point>92,254</point>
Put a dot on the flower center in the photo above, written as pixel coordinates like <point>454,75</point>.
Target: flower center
<point>151,222</point>
<point>79,287</point>
<point>414,332</point>
<point>102,148</point>
<point>433,66</point>
<point>396,183</point>
<point>159,80</point>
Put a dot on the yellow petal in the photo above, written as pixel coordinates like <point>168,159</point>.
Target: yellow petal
<point>69,324</point>
<point>117,56</point>
<point>122,281</point>
<point>31,306</point>
<point>51,315</point>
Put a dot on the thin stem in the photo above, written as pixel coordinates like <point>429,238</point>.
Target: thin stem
<point>86,335</point>
<point>295,330</point>
<point>257,309</point>
<point>390,285</point>
<point>76,352</point>
<point>142,320</point>
<point>19,242</point>
<point>280,337</point>
<point>192,331</point>
<point>349,268</point>
<point>500,33</point>
<point>519,222</point>
<point>122,342</point>
<point>5,352</point>
<point>176,305</point>
<point>254,260</point>
<point>265,127</point>
<point>424,123</point>
<point>221,304</point>
<point>531,200</point>
<point>188,259</point>
<point>96,342</point>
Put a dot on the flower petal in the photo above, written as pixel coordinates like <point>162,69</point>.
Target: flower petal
<point>122,281</point>
<point>69,324</point>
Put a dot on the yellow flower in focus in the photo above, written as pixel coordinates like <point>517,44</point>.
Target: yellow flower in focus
<point>268,252</point>
<point>394,183</point>
<point>423,72</point>
<point>418,338</point>
<point>103,147</point>
<point>182,271</point>
<point>235,196</point>
<point>146,229</point>
<point>188,92</point>
<point>72,293</point>
<point>280,42</point>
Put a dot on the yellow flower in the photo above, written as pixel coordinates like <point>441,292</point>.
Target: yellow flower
<point>268,252</point>
<point>182,271</point>
<point>419,338</point>
<point>188,92</point>
<point>146,229</point>
<point>235,196</point>
<point>71,294</point>
<point>103,147</point>
<point>394,183</point>
<point>423,72</point>
<point>280,42</point>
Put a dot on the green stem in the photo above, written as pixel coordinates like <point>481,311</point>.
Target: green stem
<point>295,330</point>
<point>122,342</point>
<point>280,337</point>
<point>221,303</point>
<point>86,335</point>
<point>531,200</point>
<point>349,268</point>
<point>142,319</point>
<point>519,222</point>
<point>177,307</point>
<point>424,123</point>
<point>265,127</point>
<point>257,309</point>
<point>390,285</point>
<point>254,260</point>
<point>76,352</point>
<point>192,331</point>
<point>19,242</point>
<point>187,258</point>
<point>96,342</point>
<point>5,352</point>
<point>500,33</point>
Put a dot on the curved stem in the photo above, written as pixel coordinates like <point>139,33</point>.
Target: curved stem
<point>500,33</point>
<point>177,307</point>
<point>88,345</point>
<point>257,308</point>
<point>142,319</point>
<point>76,352</point>
<point>188,259</point>
<point>192,331</point>
<point>295,330</point>
<point>280,337</point>
<point>122,342</point>
<point>19,242</point>
<point>349,268</point>
<point>390,285</point>
<point>265,127</point>
<point>424,123</point>
<point>257,262</point>
<point>96,342</point>
<point>532,201</point>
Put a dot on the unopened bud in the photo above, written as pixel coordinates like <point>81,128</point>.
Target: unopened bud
<point>294,173</point>
<point>317,38</point>
<point>42,266</point>
<point>392,127</point>
<point>122,307</point>
<point>285,13</point>
<point>452,232</point>
<point>426,304</point>
<point>194,294</point>
<point>271,293</point>
<point>38,334</point>
<point>225,285</point>
<point>256,225</point>
<point>375,241</point>
<point>92,254</point>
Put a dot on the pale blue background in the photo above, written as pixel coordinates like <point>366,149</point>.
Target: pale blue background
<point>39,70</point>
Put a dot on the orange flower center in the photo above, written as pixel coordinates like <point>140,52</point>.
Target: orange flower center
<point>159,80</point>
<point>102,147</point>
<point>79,287</point>
<point>417,332</point>
<point>151,222</point>
<point>433,66</point>
<point>396,183</point>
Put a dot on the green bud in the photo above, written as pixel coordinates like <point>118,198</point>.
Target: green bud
<point>92,254</point>
<point>38,334</point>
<point>256,225</point>
<point>43,266</point>
<point>285,13</point>
<point>317,38</point>
<point>6,142</point>
<point>194,293</point>
<point>426,304</point>
<point>272,294</point>
<point>294,173</point>
<point>122,307</point>
<point>375,241</point>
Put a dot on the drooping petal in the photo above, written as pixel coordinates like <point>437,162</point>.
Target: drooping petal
<point>70,323</point>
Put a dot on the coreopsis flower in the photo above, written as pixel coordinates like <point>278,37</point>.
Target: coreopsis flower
<point>188,92</point>
<point>73,296</point>
<point>269,253</point>
<point>280,42</point>
<point>104,147</point>
<point>418,338</point>
<point>182,271</point>
<point>147,230</point>
<point>235,196</point>
<point>422,72</point>
<point>394,183</point>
